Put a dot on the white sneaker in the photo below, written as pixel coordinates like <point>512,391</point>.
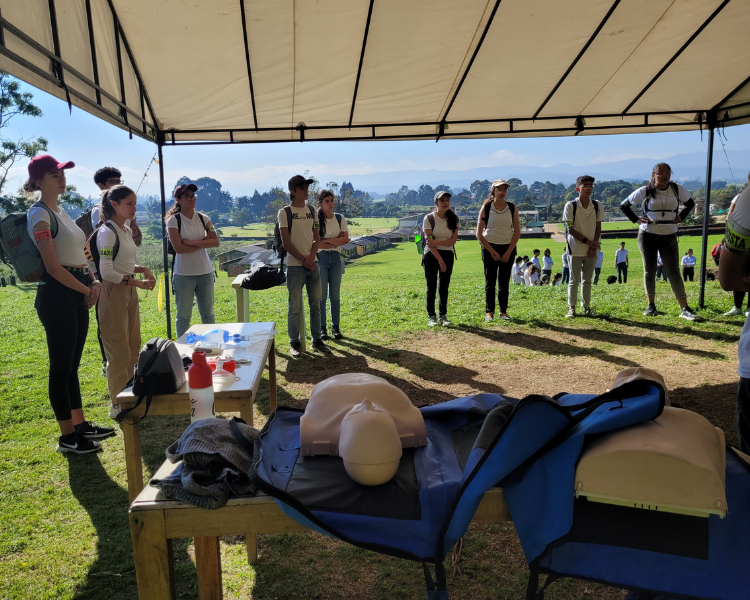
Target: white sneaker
<point>114,410</point>
<point>432,322</point>
<point>688,314</point>
<point>444,321</point>
<point>733,312</point>
<point>571,313</point>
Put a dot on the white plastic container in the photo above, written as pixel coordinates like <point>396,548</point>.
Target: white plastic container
<point>200,389</point>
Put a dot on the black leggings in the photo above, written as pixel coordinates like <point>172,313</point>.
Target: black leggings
<point>431,273</point>
<point>497,272</point>
<point>688,273</point>
<point>65,319</point>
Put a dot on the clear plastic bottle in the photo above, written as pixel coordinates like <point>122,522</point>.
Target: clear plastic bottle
<point>215,336</point>
<point>200,389</point>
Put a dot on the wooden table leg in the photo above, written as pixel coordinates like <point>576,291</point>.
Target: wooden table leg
<point>251,541</point>
<point>208,567</point>
<point>272,375</point>
<point>246,409</point>
<point>152,554</point>
<point>131,433</point>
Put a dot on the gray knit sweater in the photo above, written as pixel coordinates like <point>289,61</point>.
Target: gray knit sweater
<point>214,465</point>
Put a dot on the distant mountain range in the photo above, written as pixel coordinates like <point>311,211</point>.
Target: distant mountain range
<point>684,166</point>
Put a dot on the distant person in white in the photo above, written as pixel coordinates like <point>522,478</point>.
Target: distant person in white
<point>566,268</point>
<point>518,271</point>
<point>621,264</point>
<point>688,265</point>
<point>598,266</point>
<point>660,202</point>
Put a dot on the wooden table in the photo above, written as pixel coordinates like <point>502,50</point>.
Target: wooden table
<point>243,300</point>
<point>238,397</point>
<point>155,521</point>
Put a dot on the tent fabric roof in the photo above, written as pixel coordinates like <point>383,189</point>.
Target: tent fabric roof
<point>186,71</point>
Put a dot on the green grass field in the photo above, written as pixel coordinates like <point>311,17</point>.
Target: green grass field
<point>261,230</point>
<point>63,521</point>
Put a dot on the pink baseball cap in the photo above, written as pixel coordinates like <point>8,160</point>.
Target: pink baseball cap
<point>44,163</point>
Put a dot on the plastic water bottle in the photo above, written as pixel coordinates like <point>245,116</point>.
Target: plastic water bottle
<point>215,336</point>
<point>201,389</point>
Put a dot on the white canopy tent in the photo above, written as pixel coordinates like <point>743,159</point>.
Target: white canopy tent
<point>183,72</point>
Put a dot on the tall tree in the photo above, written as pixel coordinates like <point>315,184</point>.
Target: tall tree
<point>211,196</point>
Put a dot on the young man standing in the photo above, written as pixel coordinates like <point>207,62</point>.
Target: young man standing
<point>583,217</point>
<point>734,267</point>
<point>621,264</point>
<point>298,226</point>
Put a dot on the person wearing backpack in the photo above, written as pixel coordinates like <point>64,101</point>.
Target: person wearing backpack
<point>300,237</point>
<point>583,220</point>
<point>190,233</point>
<point>440,232</point>
<point>68,290</point>
<point>334,233</point>
<point>498,231</point>
<point>118,301</point>
<point>661,200</point>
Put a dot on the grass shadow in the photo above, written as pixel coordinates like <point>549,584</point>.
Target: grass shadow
<point>652,325</point>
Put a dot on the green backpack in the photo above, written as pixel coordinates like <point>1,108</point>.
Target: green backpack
<point>18,250</point>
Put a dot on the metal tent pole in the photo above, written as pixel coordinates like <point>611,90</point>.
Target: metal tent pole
<point>167,280</point>
<point>706,209</point>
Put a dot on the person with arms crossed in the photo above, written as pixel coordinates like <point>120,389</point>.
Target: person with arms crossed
<point>688,265</point>
<point>62,303</point>
<point>621,264</point>
<point>583,217</point>
<point>334,233</point>
<point>657,235</point>
<point>547,263</point>
<point>441,232</point>
<point>298,226</point>
<point>734,275</point>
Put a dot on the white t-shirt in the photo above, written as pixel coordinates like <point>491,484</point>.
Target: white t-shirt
<point>535,260</point>
<point>124,262</point>
<point>599,260</point>
<point>734,200</point>
<point>301,234</point>
<point>531,279</point>
<point>192,230</point>
<point>69,241</point>
<point>440,233</point>
<point>585,223</point>
<point>96,212</point>
<point>664,207</point>
<point>518,274</point>
<point>499,227</point>
<point>565,260</point>
<point>689,261</point>
<point>740,219</point>
<point>333,230</point>
<point>547,263</point>
<point>621,256</point>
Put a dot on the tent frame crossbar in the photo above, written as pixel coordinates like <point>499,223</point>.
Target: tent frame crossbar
<point>361,60</point>
<point>247,62</point>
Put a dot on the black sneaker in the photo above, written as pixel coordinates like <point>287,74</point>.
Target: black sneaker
<point>75,443</point>
<point>323,333</point>
<point>319,346</point>
<point>295,350</point>
<point>336,333</point>
<point>651,310</point>
<point>93,431</point>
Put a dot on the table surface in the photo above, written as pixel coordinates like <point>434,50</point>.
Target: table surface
<point>249,373</point>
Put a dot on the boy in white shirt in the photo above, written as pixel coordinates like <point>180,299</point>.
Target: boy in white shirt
<point>583,218</point>
<point>621,264</point>
<point>598,266</point>
<point>301,244</point>
<point>566,267</point>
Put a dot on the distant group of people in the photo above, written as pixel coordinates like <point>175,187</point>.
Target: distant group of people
<point>662,203</point>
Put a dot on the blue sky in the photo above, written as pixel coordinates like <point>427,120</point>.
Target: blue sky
<point>92,143</point>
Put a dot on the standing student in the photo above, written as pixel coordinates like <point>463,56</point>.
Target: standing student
<point>688,265</point>
<point>190,233</point>
<point>566,267</point>
<point>518,271</point>
<point>118,300</point>
<point>535,260</point>
<point>733,269</point>
<point>300,235</point>
<point>598,266</point>
<point>334,233</point>
<point>621,264</point>
<point>583,217</point>
<point>498,231</point>
<point>62,303</point>
<point>547,263</point>
<point>661,200</point>
<point>739,297</point>
<point>661,272</point>
<point>441,230</point>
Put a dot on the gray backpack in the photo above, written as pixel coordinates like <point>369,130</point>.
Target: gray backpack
<point>18,250</point>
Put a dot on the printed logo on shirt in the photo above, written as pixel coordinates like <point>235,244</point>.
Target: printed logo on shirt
<point>306,217</point>
<point>107,252</point>
<point>44,234</point>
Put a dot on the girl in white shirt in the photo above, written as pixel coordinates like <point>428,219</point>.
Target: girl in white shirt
<point>547,263</point>
<point>119,317</point>
<point>688,265</point>
<point>66,293</point>
<point>190,233</point>
<point>438,256</point>
<point>498,231</point>
<point>334,233</point>
<point>532,275</point>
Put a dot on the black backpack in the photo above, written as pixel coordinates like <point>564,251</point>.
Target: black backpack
<point>91,249</point>
<point>84,223</point>
<point>160,370</point>
<point>262,277</point>
<point>278,245</point>
<point>486,212</point>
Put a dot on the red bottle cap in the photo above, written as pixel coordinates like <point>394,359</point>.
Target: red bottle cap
<point>199,373</point>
